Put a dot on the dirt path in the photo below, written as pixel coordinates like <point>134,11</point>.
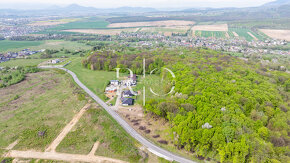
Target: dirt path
<point>12,145</point>
<point>94,149</point>
<point>60,156</point>
<point>118,100</point>
<point>67,129</point>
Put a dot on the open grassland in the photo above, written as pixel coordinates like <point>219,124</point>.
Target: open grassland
<point>277,34</point>
<point>45,101</point>
<point>96,125</point>
<point>22,62</point>
<point>214,27</point>
<point>102,31</point>
<point>166,23</point>
<point>96,81</point>
<point>6,45</point>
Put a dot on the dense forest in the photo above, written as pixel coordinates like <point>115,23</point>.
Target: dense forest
<point>223,108</point>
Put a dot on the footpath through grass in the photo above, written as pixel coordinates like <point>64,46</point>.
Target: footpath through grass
<point>97,125</point>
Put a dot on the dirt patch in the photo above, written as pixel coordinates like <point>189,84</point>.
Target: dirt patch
<point>252,36</point>
<point>217,27</point>
<point>277,34</point>
<point>152,24</point>
<point>163,142</point>
<point>156,129</point>
<point>227,35</point>
<point>102,31</point>
<point>235,34</point>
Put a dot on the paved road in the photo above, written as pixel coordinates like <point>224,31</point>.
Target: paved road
<point>151,147</point>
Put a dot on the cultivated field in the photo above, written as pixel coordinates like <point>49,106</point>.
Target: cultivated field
<point>216,27</point>
<point>216,34</point>
<point>277,34</point>
<point>245,33</point>
<point>167,31</point>
<point>102,31</point>
<point>52,22</point>
<point>80,24</point>
<point>252,35</point>
<point>152,23</point>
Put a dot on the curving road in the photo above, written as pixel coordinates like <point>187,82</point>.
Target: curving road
<point>150,146</point>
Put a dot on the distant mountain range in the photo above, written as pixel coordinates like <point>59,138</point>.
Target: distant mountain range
<point>75,9</point>
<point>278,3</point>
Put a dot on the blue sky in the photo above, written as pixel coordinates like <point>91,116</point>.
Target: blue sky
<point>135,3</point>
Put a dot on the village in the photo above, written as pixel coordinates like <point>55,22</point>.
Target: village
<point>121,90</point>
<point>235,45</point>
<point>21,54</point>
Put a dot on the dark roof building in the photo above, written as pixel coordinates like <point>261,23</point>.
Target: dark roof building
<point>127,101</point>
<point>128,93</point>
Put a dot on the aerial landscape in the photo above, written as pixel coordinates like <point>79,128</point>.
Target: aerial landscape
<point>158,81</point>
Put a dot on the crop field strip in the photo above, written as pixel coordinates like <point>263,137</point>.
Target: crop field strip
<point>248,34</point>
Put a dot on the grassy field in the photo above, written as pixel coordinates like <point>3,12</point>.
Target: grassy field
<point>45,101</point>
<point>6,45</point>
<point>96,125</point>
<point>14,46</point>
<point>96,81</point>
<point>22,62</point>
<point>156,84</point>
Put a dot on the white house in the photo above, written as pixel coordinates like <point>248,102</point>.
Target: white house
<point>114,82</point>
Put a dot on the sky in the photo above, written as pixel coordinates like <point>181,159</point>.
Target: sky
<point>132,3</point>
